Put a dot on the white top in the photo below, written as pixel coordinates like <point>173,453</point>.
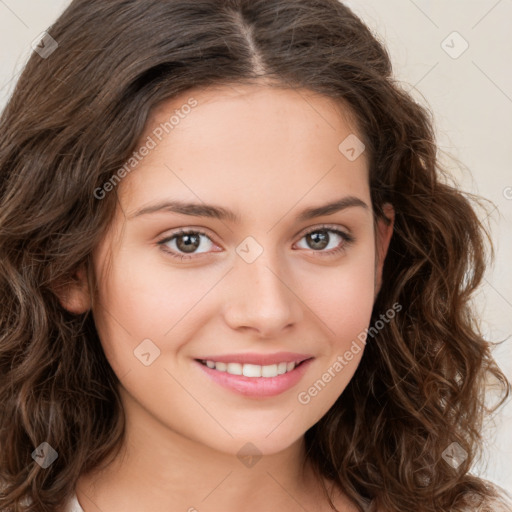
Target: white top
<point>72,505</point>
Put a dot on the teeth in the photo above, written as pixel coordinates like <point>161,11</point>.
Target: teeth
<point>281,368</point>
<point>234,368</point>
<point>252,370</point>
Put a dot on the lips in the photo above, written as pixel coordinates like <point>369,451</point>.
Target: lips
<point>254,374</point>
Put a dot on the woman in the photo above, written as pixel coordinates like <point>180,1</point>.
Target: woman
<point>233,275</point>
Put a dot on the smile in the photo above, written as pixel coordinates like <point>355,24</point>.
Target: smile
<point>251,370</point>
<point>255,380</point>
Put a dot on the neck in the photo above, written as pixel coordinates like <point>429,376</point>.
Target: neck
<point>161,470</point>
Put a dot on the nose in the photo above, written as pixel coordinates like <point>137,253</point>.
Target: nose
<point>261,297</point>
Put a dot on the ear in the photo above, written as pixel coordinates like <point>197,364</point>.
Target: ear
<point>383,235</point>
<point>74,295</point>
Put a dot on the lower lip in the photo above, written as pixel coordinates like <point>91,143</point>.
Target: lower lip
<point>257,386</point>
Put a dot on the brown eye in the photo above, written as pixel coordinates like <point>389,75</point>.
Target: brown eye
<point>185,243</point>
<point>323,238</point>
<point>318,239</point>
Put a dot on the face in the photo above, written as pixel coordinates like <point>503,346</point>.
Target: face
<point>262,277</point>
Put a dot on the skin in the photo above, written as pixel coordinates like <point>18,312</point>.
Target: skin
<point>267,154</point>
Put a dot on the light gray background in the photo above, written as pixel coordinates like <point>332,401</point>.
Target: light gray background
<point>471,97</point>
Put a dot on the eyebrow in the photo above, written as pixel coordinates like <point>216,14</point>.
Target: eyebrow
<point>218,212</point>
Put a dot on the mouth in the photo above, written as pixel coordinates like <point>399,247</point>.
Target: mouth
<point>253,380</point>
<point>253,370</point>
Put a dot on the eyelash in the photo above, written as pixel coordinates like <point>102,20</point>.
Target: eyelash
<point>347,240</point>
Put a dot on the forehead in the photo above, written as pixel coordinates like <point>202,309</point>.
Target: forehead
<point>252,103</point>
<point>258,141</point>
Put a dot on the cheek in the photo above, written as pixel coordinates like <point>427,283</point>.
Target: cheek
<point>345,312</point>
<point>342,296</point>
<point>142,298</point>
<point>147,297</point>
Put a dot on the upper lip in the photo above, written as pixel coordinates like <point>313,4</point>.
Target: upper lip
<point>259,359</point>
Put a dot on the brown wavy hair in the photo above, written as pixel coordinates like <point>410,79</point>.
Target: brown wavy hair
<point>75,117</point>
